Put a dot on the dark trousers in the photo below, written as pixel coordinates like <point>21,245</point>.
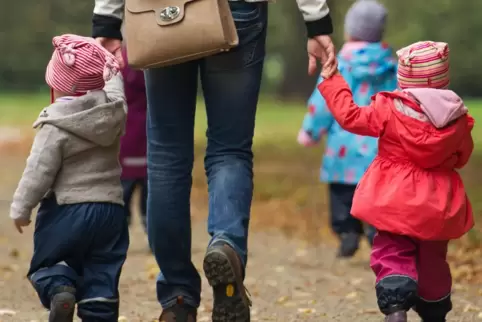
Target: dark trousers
<point>342,222</point>
<point>129,185</point>
<point>82,246</point>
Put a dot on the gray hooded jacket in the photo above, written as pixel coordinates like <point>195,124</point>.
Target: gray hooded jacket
<point>75,152</point>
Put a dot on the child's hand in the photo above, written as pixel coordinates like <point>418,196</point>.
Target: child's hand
<point>305,139</point>
<point>21,222</point>
<point>325,73</point>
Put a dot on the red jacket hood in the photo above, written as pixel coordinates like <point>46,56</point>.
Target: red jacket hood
<point>430,126</point>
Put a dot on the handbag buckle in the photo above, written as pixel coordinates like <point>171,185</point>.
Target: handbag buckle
<point>170,13</point>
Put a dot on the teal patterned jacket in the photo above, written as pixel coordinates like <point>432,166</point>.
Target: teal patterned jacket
<point>368,69</point>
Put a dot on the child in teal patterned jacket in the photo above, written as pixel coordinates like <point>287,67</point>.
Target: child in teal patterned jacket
<point>368,65</point>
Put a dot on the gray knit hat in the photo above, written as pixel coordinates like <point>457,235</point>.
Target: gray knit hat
<point>365,20</point>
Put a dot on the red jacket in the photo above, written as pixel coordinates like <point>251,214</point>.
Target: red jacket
<point>412,187</point>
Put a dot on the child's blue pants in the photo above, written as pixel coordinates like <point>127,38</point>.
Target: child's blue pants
<point>82,246</point>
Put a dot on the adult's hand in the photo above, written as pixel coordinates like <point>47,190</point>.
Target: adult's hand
<point>114,46</point>
<point>321,48</point>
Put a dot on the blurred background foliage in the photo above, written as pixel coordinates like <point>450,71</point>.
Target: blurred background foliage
<point>27,26</point>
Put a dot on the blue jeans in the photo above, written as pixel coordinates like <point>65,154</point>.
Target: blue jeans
<point>230,83</point>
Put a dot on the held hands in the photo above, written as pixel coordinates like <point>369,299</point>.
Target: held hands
<point>325,75</point>
<point>21,222</point>
<point>321,48</point>
<point>114,47</point>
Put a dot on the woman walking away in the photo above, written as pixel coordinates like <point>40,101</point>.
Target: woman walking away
<point>230,83</point>
<point>134,142</point>
<point>368,65</point>
<point>412,192</point>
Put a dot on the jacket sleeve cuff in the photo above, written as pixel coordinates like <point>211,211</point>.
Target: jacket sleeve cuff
<point>106,26</point>
<point>323,26</point>
<point>20,213</point>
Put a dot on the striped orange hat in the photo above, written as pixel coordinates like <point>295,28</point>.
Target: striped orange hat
<point>424,64</point>
<point>78,65</point>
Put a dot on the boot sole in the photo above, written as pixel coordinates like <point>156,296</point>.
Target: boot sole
<point>229,303</point>
<point>62,308</point>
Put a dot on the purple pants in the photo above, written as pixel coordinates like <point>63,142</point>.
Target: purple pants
<point>409,270</point>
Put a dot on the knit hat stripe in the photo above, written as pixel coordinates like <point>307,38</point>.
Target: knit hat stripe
<point>79,65</point>
<point>423,72</point>
<point>424,64</point>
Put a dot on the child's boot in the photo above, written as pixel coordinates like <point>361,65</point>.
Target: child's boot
<point>349,244</point>
<point>62,305</point>
<point>433,311</point>
<point>399,316</point>
<point>396,295</point>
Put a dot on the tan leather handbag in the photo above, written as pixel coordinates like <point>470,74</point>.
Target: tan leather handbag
<point>167,32</point>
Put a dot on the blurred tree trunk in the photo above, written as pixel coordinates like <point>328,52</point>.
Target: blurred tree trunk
<point>296,83</point>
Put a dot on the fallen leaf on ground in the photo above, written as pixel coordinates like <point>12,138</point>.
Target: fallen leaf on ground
<point>471,308</point>
<point>282,299</point>
<point>369,311</point>
<point>351,295</point>
<point>306,311</point>
<point>7,312</point>
<point>14,253</point>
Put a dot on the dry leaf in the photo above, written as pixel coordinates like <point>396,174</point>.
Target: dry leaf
<point>356,281</point>
<point>122,319</point>
<point>7,312</point>
<point>14,253</point>
<point>369,311</point>
<point>471,308</point>
<point>306,311</point>
<point>301,252</point>
<point>282,299</point>
<point>351,295</point>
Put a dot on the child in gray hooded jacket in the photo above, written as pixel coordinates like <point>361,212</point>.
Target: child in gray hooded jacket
<point>81,236</point>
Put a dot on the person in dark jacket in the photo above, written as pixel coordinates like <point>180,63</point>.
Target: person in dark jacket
<point>134,142</point>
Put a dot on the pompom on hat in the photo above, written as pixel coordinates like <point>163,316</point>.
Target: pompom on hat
<point>424,64</point>
<point>79,64</point>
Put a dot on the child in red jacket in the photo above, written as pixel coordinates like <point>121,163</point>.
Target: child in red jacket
<point>411,192</point>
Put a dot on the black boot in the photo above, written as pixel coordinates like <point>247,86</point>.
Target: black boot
<point>398,316</point>
<point>62,305</point>
<point>433,311</point>
<point>349,244</point>
<point>396,295</point>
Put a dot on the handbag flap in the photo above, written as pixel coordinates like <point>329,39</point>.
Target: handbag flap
<point>167,12</point>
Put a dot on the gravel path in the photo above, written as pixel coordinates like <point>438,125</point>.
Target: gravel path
<point>288,280</point>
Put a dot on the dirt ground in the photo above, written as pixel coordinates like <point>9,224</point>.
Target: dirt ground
<point>288,279</point>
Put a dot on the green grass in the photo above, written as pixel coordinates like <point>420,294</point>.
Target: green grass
<point>276,121</point>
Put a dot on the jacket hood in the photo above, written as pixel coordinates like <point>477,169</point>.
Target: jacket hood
<point>367,61</point>
<point>91,117</point>
<point>440,106</point>
<point>431,126</point>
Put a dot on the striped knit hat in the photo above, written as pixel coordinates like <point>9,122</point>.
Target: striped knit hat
<point>78,65</point>
<point>424,64</point>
